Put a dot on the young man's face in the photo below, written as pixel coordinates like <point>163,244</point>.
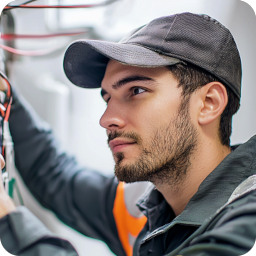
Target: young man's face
<point>148,124</point>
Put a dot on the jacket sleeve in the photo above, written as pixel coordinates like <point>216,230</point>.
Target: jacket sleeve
<point>23,234</point>
<point>232,233</point>
<point>80,197</point>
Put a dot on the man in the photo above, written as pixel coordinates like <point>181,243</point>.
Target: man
<point>171,89</point>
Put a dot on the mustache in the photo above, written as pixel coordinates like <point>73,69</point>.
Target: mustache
<point>129,135</point>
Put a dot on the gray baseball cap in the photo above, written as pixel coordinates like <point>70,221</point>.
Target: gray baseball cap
<point>184,37</point>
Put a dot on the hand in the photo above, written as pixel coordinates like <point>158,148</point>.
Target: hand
<point>6,203</point>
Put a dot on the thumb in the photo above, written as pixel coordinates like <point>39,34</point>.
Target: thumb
<point>3,84</point>
<point>2,162</point>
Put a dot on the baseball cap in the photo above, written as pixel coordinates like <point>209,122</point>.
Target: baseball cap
<point>191,38</point>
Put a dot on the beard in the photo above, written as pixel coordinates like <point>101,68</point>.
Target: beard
<point>166,158</point>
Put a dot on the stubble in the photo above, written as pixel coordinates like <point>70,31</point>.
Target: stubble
<point>166,158</point>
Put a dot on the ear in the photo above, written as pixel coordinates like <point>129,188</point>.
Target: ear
<point>214,99</point>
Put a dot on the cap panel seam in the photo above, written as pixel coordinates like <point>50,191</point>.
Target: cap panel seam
<point>169,30</point>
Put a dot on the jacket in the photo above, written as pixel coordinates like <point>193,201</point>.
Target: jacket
<point>220,219</point>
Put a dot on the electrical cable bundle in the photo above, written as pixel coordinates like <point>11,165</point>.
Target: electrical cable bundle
<point>5,108</point>
<point>36,52</point>
<point>6,143</point>
<point>45,51</point>
<point>8,175</point>
<point>24,5</point>
<point>21,36</point>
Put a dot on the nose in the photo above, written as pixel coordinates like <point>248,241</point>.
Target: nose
<point>113,118</point>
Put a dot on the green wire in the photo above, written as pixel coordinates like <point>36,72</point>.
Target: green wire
<point>13,185</point>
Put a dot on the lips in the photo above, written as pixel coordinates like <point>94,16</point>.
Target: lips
<point>118,144</point>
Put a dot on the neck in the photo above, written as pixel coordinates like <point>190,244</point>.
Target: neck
<point>203,161</point>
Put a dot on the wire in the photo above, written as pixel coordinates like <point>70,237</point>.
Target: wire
<point>61,6</point>
<point>8,99</point>
<point>28,53</point>
<point>7,104</point>
<point>27,2</point>
<point>17,36</point>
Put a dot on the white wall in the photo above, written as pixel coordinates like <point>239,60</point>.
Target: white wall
<point>83,136</point>
<point>243,26</point>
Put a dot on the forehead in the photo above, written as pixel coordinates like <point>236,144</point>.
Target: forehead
<point>116,71</point>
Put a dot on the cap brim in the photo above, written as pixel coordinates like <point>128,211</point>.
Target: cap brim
<point>85,61</point>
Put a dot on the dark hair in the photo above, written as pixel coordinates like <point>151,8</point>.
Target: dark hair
<point>192,78</point>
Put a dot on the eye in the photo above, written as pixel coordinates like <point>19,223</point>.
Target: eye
<point>137,90</point>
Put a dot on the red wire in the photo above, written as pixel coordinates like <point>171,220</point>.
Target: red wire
<point>3,150</point>
<point>16,36</point>
<point>58,6</point>
<point>27,53</point>
<point>8,110</point>
<point>7,105</point>
<point>2,112</point>
<point>50,6</point>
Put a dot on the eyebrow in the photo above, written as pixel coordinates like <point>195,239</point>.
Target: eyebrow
<point>126,80</point>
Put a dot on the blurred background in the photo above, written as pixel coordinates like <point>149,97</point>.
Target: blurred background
<point>74,113</point>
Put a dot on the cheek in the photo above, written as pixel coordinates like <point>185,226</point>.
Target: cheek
<point>142,119</point>
<point>165,108</point>
<point>152,115</point>
<point>194,109</point>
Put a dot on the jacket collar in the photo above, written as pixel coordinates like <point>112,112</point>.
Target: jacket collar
<point>214,191</point>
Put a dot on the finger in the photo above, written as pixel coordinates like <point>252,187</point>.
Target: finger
<point>3,84</point>
<point>2,162</point>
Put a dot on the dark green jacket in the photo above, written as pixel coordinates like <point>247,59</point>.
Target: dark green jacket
<point>84,200</point>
